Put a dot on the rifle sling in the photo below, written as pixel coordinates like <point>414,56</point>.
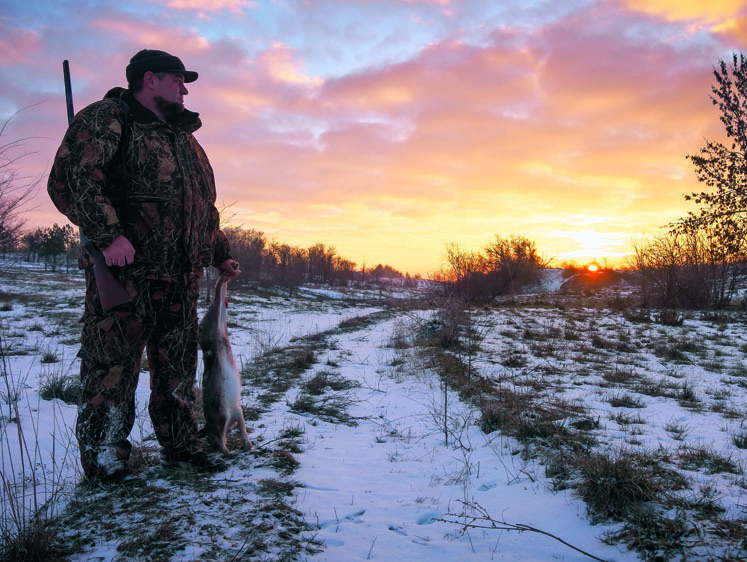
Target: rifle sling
<point>123,146</point>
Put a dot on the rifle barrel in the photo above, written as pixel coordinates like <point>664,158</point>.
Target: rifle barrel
<point>68,91</point>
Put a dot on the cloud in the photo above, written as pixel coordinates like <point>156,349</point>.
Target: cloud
<point>579,121</point>
<point>233,6</point>
<point>17,46</point>
<point>572,120</point>
<point>713,11</point>
<point>280,63</point>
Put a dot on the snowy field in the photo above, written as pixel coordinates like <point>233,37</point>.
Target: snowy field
<point>378,480</point>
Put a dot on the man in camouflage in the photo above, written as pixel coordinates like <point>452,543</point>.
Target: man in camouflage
<point>151,210</point>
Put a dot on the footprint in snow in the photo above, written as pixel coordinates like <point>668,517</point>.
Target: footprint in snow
<point>355,517</point>
<point>397,529</point>
<point>428,518</point>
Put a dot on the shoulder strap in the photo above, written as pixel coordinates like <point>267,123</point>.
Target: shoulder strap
<point>124,143</point>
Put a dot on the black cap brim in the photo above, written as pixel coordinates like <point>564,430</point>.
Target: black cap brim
<point>189,75</point>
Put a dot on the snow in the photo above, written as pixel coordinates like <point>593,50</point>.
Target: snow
<point>384,489</point>
<point>378,490</point>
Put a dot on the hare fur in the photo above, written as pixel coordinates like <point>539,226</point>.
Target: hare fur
<point>221,382</point>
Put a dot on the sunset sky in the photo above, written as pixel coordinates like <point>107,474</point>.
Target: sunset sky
<point>389,128</point>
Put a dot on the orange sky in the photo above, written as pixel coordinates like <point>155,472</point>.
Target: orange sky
<point>388,129</point>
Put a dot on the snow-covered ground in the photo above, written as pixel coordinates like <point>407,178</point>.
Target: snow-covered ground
<point>388,487</point>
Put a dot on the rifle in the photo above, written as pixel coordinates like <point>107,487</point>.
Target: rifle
<point>111,291</point>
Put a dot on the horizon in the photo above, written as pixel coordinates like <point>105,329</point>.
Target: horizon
<point>392,128</point>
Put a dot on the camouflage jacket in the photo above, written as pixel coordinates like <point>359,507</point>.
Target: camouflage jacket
<point>170,218</point>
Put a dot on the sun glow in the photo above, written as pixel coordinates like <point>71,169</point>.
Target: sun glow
<point>592,268</point>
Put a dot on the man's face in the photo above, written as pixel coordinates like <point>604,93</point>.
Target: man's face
<point>171,87</point>
<point>169,94</point>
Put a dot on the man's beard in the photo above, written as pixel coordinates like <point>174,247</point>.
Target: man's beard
<point>169,109</point>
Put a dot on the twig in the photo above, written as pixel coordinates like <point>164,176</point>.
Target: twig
<point>370,550</point>
<point>485,521</point>
<point>253,535</point>
<point>264,444</point>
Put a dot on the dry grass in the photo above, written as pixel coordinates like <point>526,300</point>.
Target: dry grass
<point>647,491</point>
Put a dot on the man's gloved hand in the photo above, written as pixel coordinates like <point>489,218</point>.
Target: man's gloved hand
<point>229,269</point>
<point>119,252</point>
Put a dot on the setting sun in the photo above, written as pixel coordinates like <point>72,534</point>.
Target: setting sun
<point>592,267</point>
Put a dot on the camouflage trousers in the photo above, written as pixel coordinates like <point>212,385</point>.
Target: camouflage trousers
<point>163,320</point>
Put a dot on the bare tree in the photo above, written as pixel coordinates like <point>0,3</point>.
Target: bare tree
<point>32,241</point>
<point>248,248</point>
<point>466,272</point>
<point>344,269</point>
<point>505,266</point>
<point>16,190</point>
<point>512,263</point>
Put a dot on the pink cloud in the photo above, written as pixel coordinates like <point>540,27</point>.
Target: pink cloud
<point>150,34</point>
<point>18,46</point>
<point>528,132</point>
<point>281,64</point>
<point>572,120</point>
<point>234,6</point>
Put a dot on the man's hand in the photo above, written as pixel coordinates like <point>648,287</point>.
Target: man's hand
<point>229,269</point>
<point>119,252</point>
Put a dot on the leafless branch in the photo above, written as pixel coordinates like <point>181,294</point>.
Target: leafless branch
<point>481,519</point>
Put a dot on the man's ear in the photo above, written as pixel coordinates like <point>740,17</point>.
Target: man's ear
<point>149,79</point>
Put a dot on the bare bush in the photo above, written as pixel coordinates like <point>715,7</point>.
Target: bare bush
<point>686,270</point>
<point>15,190</point>
<point>505,266</point>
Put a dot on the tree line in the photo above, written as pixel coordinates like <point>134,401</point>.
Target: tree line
<point>266,261</point>
<point>263,262</point>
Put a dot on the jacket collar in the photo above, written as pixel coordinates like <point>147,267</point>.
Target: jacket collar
<point>187,120</point>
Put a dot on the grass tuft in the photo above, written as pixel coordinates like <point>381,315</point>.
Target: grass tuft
<point>703,458</point>
<point>273,487</point>
<point>49,357</point>
<point>36,541</point>
<point>62,388</point>
<point>614,487</point>
<point>740,439</point>
<point>626,401</point>
<point>283,461</point>
<point>653,534</point>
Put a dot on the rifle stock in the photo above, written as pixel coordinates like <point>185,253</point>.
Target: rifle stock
<point>111,291</point>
